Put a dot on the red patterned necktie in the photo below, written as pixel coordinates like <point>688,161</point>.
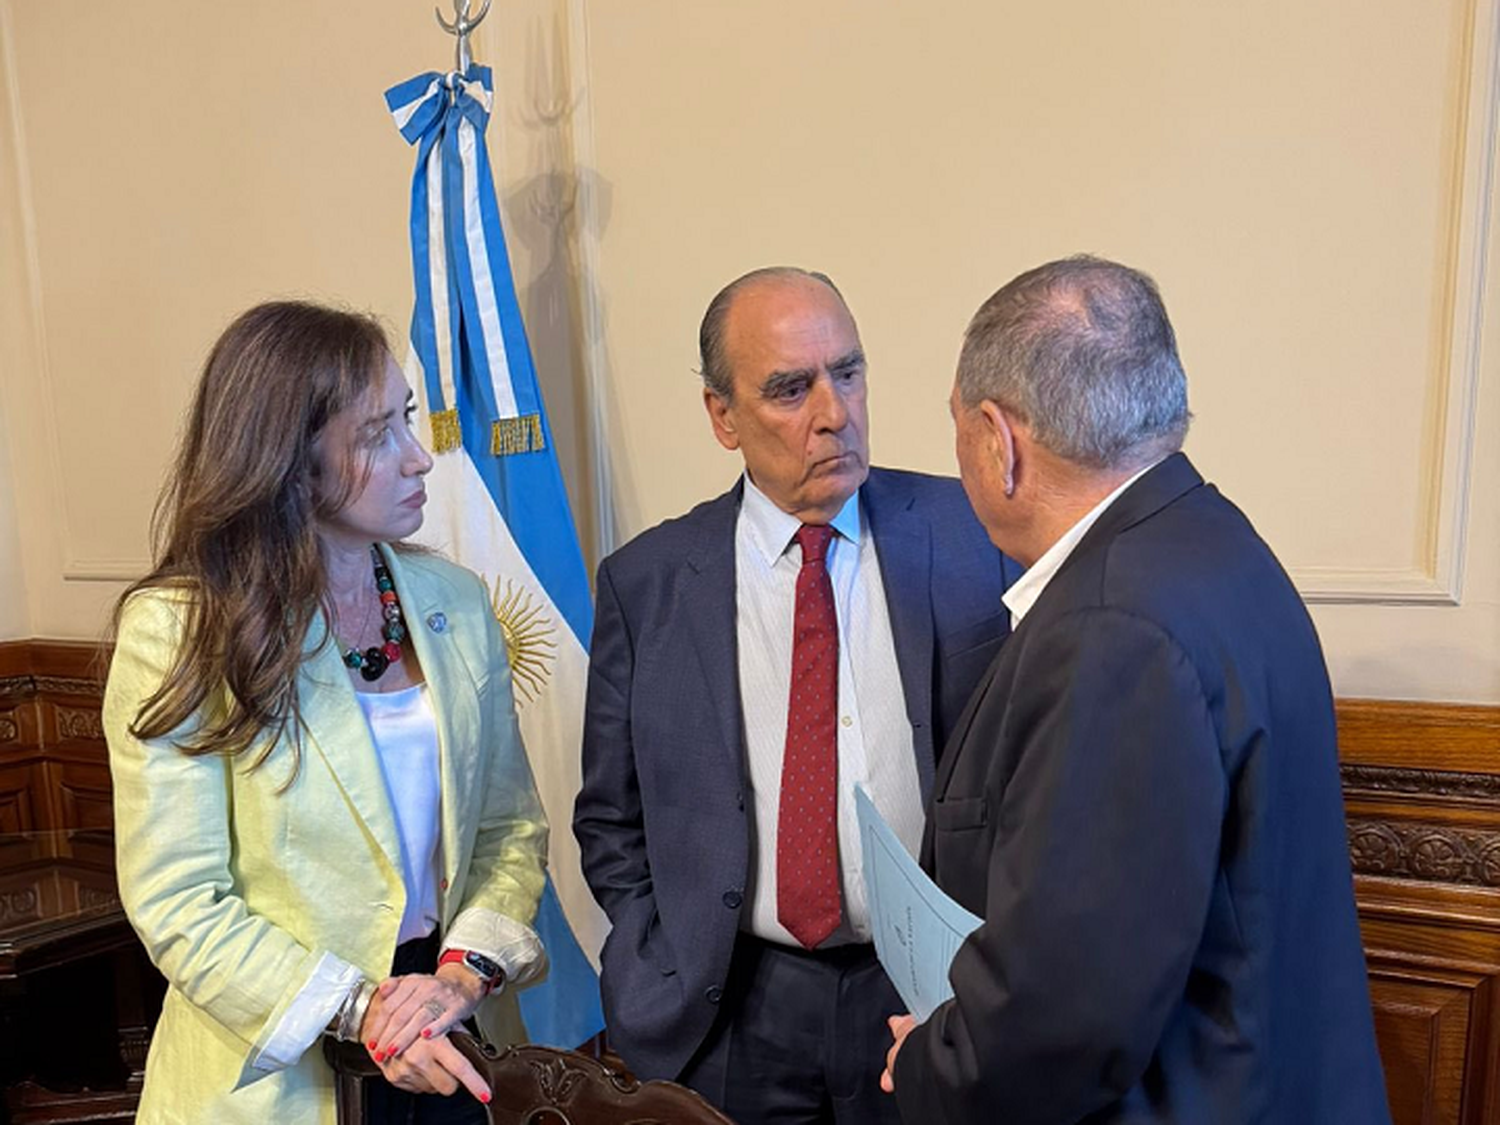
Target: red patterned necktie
<point>807,851</point>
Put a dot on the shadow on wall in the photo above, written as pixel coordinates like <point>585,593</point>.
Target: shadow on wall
<point>562,306</point>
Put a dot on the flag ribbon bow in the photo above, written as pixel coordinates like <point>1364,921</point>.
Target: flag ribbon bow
<point>466,325</point>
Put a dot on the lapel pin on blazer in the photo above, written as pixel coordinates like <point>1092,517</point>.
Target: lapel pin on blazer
<point>437,622</point>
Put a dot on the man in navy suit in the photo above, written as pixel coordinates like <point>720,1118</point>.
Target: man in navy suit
<point>1142,800</point>
<point>818,626</point>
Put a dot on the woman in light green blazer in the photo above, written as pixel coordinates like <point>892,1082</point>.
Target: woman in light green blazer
<point>325,820</point>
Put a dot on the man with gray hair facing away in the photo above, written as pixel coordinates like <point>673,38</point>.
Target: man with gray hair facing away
<point>1142,799</point>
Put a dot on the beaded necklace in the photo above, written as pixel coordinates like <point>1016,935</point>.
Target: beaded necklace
<point>373,662</point>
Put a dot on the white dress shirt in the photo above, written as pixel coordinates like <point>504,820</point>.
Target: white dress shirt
<point>1024,591</point>
<point>874,734</point>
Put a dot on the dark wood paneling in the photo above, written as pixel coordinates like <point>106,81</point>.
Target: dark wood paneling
<point>54,766</point>
<point>23,799</point>
<point>54,774</point>
<point>1423,1026</point>
<point>1422,795</point>
<point>1442,737</point>
<point>81,794</point>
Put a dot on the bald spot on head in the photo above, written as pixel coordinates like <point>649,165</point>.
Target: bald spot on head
<point>715,369</point>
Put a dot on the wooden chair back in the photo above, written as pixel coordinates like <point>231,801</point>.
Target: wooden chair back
<point>541,1086</point>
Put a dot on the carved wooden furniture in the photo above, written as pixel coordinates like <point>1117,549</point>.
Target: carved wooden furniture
<point>57,900</point>
<point>54,781</point>
<point>541,1086</point>
<point>68,962</point>
<point>1422,796</point>
<point>54,770</point>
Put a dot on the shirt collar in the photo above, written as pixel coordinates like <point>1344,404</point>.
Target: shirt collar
<point>1024,591</point>
<point>772,530</point>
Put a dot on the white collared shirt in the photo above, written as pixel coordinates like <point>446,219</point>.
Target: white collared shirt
<point>1023,593</point>
<point>874,734</point>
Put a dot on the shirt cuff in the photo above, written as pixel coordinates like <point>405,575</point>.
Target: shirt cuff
<point>512,945</point>
<point>307,1014</point>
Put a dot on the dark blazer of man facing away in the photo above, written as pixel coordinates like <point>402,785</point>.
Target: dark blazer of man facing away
<point>1142,800</point>
<point>700,982</point>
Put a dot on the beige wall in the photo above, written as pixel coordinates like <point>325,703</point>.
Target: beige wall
<point>15,338</point>
<point>1309,181</point>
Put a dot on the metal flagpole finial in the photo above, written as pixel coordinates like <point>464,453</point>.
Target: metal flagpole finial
<point>463,24</point>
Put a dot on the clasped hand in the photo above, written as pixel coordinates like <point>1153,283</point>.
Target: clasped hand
<point>406,1031</point>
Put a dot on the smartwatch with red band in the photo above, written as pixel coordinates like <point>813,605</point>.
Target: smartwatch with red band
<point>481,966</point>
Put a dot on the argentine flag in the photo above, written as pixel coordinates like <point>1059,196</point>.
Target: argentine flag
<point>498,503</point>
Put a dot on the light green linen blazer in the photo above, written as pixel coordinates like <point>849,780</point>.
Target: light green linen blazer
<point>239,881</point>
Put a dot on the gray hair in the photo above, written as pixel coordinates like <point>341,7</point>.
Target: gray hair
<point>1082,350</point>
<point>717,376</point>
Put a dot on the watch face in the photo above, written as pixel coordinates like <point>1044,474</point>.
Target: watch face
<point>482,965</point>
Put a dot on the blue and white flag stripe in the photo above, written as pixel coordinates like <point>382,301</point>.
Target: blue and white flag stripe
<point>506,517</point>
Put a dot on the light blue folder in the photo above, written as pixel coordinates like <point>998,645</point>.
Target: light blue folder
<point>917,928</point>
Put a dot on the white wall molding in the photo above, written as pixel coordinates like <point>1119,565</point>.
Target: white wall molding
<point>51,516</point>
<point>1371,586</point>
<point>104,570</point>
<point>1438,578</point>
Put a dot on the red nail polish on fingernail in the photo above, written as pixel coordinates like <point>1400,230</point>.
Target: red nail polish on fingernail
<point>427,1033</point>
<point>485,1098</point>
<point>379,1056</point>
<point>373,1044</point>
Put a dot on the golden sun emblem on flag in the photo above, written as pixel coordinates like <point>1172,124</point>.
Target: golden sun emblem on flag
<point>529,642</point>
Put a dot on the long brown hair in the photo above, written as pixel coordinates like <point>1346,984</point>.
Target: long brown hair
<point>235,526</point>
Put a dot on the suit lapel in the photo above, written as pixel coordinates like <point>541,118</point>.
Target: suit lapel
<point>713,626</point>
<point>338,734</point>
<point>427,603</point>
<point>903,543</point>
<point>1157,488</point>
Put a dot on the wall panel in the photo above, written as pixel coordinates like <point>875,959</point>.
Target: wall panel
<point>1311,182</point>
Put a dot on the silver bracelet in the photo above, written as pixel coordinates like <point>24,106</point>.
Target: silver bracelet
<point>341,1017</point>
<point>352,1013</point>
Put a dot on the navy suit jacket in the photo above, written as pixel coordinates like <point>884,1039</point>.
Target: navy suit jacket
<point>1143,803</point>
<point>662,819</point>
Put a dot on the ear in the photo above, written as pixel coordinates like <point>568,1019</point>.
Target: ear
<point>721,417</point>
<point>1000,428</point>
